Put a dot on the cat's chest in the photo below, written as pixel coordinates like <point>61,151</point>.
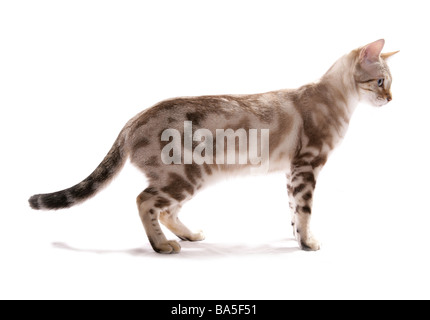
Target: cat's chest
<point>323,128</point>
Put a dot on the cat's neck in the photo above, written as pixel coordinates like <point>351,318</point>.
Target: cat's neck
<point>339,80</point>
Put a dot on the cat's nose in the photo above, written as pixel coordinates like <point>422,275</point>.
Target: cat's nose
<point>389,97</point>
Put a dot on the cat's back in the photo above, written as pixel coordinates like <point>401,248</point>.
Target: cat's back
<point>263,108</point>
<point>272,111</point>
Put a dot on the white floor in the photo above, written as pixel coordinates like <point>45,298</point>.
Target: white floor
<point>99,249</point>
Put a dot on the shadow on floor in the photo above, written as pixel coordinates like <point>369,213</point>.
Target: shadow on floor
<point>199,249</point>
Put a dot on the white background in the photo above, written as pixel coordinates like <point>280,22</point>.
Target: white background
<point>73,72</point>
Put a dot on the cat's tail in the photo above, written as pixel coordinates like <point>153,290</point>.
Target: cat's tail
<point>101,176</point>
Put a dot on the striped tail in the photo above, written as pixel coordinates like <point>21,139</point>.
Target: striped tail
<point>102,175</point>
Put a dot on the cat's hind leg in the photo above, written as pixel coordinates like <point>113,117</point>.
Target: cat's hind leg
<point>150,205</point>
<point>170,219</point>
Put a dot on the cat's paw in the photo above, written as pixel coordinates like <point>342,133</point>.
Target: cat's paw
<point>310,244</point>
<point>167,247</point>
<point>197,236</point>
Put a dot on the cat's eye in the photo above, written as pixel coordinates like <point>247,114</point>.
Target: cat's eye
<point>380,82</point>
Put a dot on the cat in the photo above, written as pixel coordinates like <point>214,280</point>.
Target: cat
<point>302,127</point>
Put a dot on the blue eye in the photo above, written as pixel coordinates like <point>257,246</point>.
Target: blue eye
<point>380,82</point>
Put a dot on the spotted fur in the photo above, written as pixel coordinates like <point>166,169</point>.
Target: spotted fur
<point>305,125</point>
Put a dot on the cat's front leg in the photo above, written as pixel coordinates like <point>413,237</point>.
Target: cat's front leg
<point>292,203</point>
<point>301,186</point>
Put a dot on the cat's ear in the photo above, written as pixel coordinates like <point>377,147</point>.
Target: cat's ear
<point>385,56</point>
<point>371,53</point>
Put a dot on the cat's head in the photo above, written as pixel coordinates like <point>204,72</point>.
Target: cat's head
<point>372,75</point>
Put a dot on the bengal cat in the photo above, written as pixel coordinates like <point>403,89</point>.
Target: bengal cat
<point>184,144</point>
